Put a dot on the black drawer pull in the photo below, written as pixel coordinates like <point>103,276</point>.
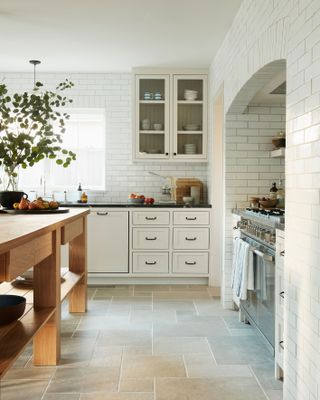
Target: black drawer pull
<point>191,218</point>
<point>194,238</point>
<point>281,344</point>
<point>151,262</point>
<point>281,294</point>
<point>102,213</point>
<point>150,218</point>
<point>190,262</point>
<point>147,238</point>
<point>282,253</point>
<point>235,228</point>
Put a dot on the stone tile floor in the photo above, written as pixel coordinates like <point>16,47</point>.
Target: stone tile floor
<point>150,343</point>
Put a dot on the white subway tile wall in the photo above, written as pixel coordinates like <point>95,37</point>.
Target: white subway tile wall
<point>112,91</point>
<point>262,32</point>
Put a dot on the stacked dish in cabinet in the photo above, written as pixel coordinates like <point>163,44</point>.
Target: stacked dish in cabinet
<point>279,302</point>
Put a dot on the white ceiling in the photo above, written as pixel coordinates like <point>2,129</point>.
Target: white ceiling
<point>111,35</point>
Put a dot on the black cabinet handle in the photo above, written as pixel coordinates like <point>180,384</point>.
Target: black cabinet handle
<point>194,238</point>
<point>174,154</point>
<point>102,213</point>
<point>282,253</point>
<point>166,154</point>
<point>190,263</point>
<point>281,294</point>
<point>191,218</point>
<point>235,228</point>
<point>151,262</point>
<point>147,238</point>
<point>150,218</point>
<point>281,344</point>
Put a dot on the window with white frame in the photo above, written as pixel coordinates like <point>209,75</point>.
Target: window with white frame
<point>85,136</point>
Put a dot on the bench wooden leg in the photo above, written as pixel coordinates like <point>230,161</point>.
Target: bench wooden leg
<point>78,264</point>
<point>46,344</point>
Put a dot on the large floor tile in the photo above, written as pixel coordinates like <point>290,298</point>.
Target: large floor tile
<point>124,337</point>
<point>265,375</point>
<point>137,385</point>
<point>181,295</point>
<point>85,380</point>
<point>61,396</point>
<point>180,345</point>
<point>152,366</point>
<point>191,328</point>
<point>239,350</point>
<point>208,389</point>
<point>184,305</point>
<point>22,389</point>
<point>117,396</point>
<point>37,373</point>
<point>204,366</point>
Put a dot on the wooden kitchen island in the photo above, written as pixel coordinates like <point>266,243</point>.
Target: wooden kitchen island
<point>35,240</point>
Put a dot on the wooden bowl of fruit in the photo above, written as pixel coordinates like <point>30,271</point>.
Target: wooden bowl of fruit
<point>267,203</point>
<point>37,204</point>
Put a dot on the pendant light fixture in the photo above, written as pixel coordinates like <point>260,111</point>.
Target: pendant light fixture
<point>34,63</point>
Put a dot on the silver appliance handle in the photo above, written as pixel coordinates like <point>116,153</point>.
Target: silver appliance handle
<point>265,256</point>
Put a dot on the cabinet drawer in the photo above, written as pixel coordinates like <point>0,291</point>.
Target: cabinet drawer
<point>150,263</point>
<point>190,263</point>
<point>191,238</point>
<point>150,239</point>
<point>191,218</point>
<point>150,218</point>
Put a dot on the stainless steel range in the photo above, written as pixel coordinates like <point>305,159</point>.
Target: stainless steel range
<point>258,228</point>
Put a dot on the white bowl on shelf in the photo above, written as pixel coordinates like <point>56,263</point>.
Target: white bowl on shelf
<point>191,127</point>
<point>187,199</point>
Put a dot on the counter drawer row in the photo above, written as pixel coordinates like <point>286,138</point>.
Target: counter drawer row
<point>163,218</point>
<point>159,238</point>
<point>182,263</point>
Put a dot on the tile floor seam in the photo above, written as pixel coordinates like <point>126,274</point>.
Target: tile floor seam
<point>259,384</point>
<point>185,366</point>
<point>50,380</point>
<point>120,371</point>
<point>195,306</point>
<point>211,351</point>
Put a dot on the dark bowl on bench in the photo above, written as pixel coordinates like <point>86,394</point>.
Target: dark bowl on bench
<point>11,308</point>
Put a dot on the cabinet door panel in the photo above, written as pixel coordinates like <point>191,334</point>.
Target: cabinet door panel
<point>152,263</point>
<point>108,242</point>
<point>191,218</point>
<point>191,238</point>
<point>190,263</point>
<point>150,239</point>
<point>150,217</point>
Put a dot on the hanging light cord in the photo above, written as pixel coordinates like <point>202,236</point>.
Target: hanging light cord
<point>34,63</point>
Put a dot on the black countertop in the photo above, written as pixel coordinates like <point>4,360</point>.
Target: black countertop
<point>130,205</point>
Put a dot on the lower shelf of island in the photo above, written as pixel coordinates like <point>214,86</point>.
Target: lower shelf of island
<point>15,337</point>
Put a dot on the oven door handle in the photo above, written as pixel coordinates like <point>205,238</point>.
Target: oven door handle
<point>266,257</point>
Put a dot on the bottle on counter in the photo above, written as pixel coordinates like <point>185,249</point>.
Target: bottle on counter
<point>79,193</point>
<point>84,198</point>
<point>273,191</point>
<point>280,195</point>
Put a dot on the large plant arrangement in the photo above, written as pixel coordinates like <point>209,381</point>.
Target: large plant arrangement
<point>31,129</point>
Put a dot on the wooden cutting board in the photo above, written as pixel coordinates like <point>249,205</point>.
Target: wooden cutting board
<point>181,188</point>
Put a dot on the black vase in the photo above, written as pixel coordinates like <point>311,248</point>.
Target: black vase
<point>8,198</point>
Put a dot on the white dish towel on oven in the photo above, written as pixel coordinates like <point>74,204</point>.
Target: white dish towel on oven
<point>242,277</point>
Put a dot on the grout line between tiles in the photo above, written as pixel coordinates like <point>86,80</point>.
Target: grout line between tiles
<point>259,384</point>
<point>211,351</point>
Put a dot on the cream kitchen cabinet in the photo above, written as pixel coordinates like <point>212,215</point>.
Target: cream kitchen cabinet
<point>108,244</point>
<point>171,242</point>
<point>170,118</point>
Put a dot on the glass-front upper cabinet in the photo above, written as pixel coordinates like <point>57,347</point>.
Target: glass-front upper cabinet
<point>190,117</point>
<point>152,119</point>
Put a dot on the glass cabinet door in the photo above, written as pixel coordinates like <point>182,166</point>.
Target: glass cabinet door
<point>152,117</point>
<point>190,117</point>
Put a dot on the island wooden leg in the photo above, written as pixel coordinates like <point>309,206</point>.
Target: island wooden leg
<point>78,264</point>
<point>46,344</point>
